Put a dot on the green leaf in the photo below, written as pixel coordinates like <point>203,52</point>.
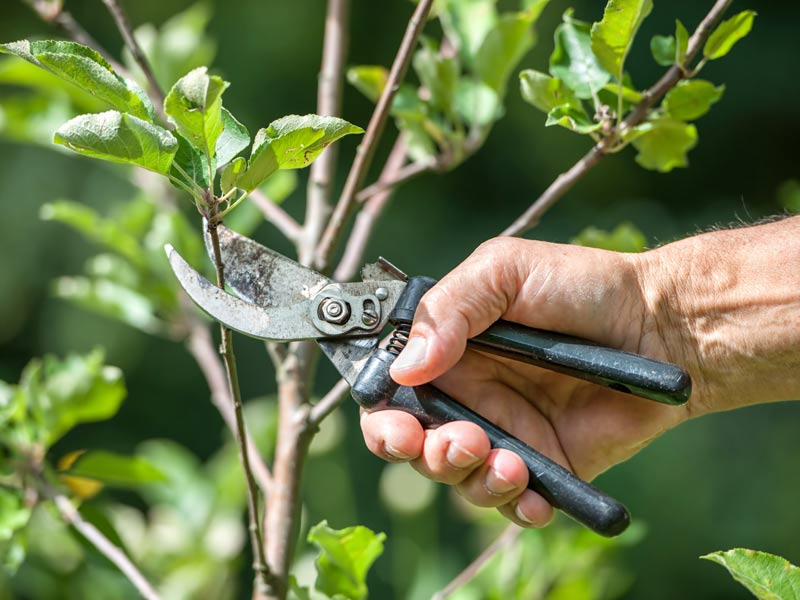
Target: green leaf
<point>195,105</point>
<point>79,389</point>
<point>192,162</point>
<point>629,95</point>
<point>115,469</point>
<point>231,174</point>
<point>14,515</point>
<point>691,99</point>
<point>368,79</point>
<point>86,69</point>
<point>291,142</point>
<point>613,36</point>
<point>476,103</point>
<point>767,576</point>
<point>728,33</point>
<point>119,137</point>
<point>466,23</point>
<point>663,49</point>
<point>573,118</point>
<point>788,196</point>
<point>503,47</point>
<point>545,92</point>
<point>573,61</point>
<point>625,237</point>
<point>437,74</point>
<point>663,144</point>
<point>681,42</point>
<point>344,559</point>
<point>233,139</point>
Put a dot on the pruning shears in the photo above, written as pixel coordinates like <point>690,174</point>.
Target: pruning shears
<point>281,300</point>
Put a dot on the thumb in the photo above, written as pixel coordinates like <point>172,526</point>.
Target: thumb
<point>463,304</point>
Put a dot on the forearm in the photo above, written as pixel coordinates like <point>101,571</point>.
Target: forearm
<point>726,305</point>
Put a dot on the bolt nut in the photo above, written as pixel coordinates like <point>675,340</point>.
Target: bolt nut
<point>334,311</point>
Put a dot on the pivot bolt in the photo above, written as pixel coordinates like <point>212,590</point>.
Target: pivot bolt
<point>369,317</point>
<point>334,311</point>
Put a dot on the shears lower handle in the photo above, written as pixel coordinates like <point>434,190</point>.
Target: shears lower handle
<point>375,390</point>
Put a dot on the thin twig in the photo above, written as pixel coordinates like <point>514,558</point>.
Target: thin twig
<point>264,579</point>
<point>201,347</point>
<point>405,174</point>
<point>366,150</point>
<point>369,214</point>
<point>273,213</point>
<point>123,24</point>
<point>503,541</point>
<point>329,103</point>
<point>103,545</point>
<point>672,76</point>
<point>328,403</point>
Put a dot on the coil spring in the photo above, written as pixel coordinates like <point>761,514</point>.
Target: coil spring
<point>399,338</point>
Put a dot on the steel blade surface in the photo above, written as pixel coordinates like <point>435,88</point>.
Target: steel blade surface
<point>349,355</point>
<point>261,275</point>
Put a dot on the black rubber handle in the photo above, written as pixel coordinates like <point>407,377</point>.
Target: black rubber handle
<point>375,390</point>
<point>616,369</point>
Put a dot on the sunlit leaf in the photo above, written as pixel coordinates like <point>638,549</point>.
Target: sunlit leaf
<point>292,142</point>
<point>195,104</point>
<point>231,174</point>
<point>663,144</point>
<point>466,23</point>
<point>663,49</point>
<point>87,69</point>
<point>681,42</point>
<point>573,61</point>
<point>573,118</point>
<point>503,47</point>
<point>368,79</point>
<point>115,469</point>
<point>120,137</point>
<point>191,161</point>
<point>545,92</point>
<point>14,515</point>
<point>612,37</point>
<point>476,103</point>
<point>625,237</point>
<point>728,33</point>
<point>344,559</point>
<point>691,99</point>
<point>437,74</point>
<point>767,576</point>
<point>233,139</point>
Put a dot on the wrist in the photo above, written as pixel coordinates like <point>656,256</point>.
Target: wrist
<point>726,306</point>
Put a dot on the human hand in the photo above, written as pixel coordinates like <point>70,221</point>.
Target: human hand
<point>650,304</point>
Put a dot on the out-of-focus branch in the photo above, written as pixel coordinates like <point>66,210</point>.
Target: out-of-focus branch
<point>366,149</point>
<point>329,103</point>
<point>123,24</point>
<point>371,211</point>
<point>403,175</point>
<point>104,546</point>
<point>273,213</point>
<point>328,403</point>
<point>503,541</point>
<point>565,181</point>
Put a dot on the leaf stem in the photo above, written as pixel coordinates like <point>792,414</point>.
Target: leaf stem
<point>103,545</point>
<point>564,182</point>
<point>366,150</point>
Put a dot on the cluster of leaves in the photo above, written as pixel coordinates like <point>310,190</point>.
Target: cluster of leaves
<point>767,576</point>
<point>206,138</point>
<point>559,562</point>
<point>463,80</point>
<point>589,92</point>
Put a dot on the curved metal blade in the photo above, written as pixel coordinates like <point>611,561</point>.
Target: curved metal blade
<point>278,323</point>
<point>349,355</point>
<point>261,275</point>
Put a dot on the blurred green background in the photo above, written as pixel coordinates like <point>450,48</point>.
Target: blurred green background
<point>716,483</point>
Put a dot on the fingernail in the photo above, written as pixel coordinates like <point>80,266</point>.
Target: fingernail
<point>393,452</point>
<point>459,457</point>
<point>497,484</point>
<point>412,355</point>
<point>521,516</point>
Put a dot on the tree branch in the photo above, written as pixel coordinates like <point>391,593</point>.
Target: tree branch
<point>503,541</point>
<point>329,103</point>
<point>273,213</point>
<point>369,214</point>
<point>264,578</point>
<point>673,75</point>
<point>328,403</point>
<point>103,545</point>
<point>404,174</point>
<point>366,150</point>
<point>123,24</point>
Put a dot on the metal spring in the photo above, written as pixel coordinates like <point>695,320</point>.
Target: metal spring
<point>399,338</point>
